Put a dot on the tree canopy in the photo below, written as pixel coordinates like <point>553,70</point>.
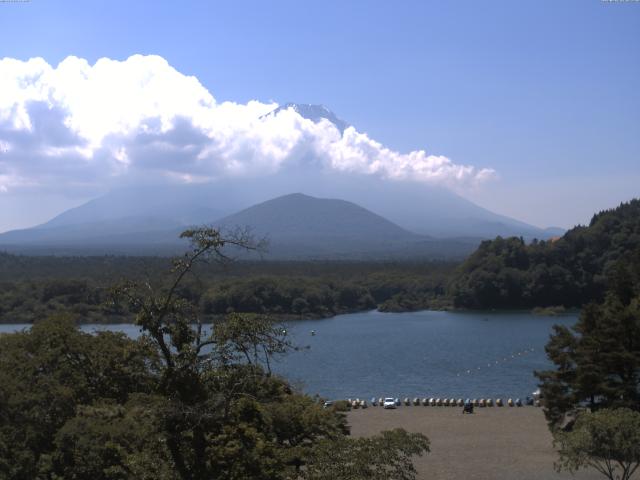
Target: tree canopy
<point>570,271</point>
<point>607,440</point>
<point>597,362</point>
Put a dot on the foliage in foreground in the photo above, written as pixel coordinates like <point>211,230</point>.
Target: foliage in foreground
<point>178,403</point>
<point>592,397</point>
<point>597,362</point>
<point>607,440</point>
<point>387,456</point>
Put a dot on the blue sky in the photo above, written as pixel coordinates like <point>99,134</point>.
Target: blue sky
<point>546,93</point>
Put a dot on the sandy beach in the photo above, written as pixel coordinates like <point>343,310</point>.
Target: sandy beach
<point>492,444</point>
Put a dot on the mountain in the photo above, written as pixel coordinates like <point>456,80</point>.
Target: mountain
<point>147,218</point>
<point>312,112</point>
<point>300,217</point>
<point>141,220</point>
<point>298,226</point>
<point>122,208</point>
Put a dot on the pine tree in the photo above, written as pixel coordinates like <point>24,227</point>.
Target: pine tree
<point>598,360</point>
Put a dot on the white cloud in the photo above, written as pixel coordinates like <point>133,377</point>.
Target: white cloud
<point>140,119</point>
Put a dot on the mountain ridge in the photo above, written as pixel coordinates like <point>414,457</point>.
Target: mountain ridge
<point>298,226</point>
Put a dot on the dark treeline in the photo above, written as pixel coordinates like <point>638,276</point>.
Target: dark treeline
<point>36,287</point>
<point>570,271</point>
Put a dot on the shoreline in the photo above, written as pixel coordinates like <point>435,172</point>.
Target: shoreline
<point>283,318</point>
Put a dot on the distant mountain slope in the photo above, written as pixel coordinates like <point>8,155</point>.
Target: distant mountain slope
<point>569,271</point>
<point>171,204</point>
<point>298,226</point>
<point>312,112</point>
<point>301,216</point>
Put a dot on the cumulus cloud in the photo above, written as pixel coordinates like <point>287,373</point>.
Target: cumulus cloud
<point>141,120</point>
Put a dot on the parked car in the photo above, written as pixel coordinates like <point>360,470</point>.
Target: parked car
<point>389,403</point>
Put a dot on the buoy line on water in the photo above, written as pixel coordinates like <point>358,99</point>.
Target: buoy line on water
<point>498,362</point>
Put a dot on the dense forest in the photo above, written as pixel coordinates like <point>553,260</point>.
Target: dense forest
<point>32,288</point>
<point>570,271</point>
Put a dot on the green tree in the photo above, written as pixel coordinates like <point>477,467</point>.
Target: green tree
<point>48,372</point>
<point>607,440</point>
<point>387,456</point>
<point>598,360</point>
<point>570,271</point>
<point>113,442</point>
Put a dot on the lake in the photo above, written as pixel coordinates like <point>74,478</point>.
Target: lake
<point>423,354</point>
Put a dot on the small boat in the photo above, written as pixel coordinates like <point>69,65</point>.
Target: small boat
<point>313,332</point>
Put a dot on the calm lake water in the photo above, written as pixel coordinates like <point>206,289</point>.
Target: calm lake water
<point>424,354</point>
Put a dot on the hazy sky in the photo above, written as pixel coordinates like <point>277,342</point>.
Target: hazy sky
<point>529,108</point>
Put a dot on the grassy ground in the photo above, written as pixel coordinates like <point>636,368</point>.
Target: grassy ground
<point>492,444</point>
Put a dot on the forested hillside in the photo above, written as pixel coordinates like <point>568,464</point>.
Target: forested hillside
<point>569,271</point>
